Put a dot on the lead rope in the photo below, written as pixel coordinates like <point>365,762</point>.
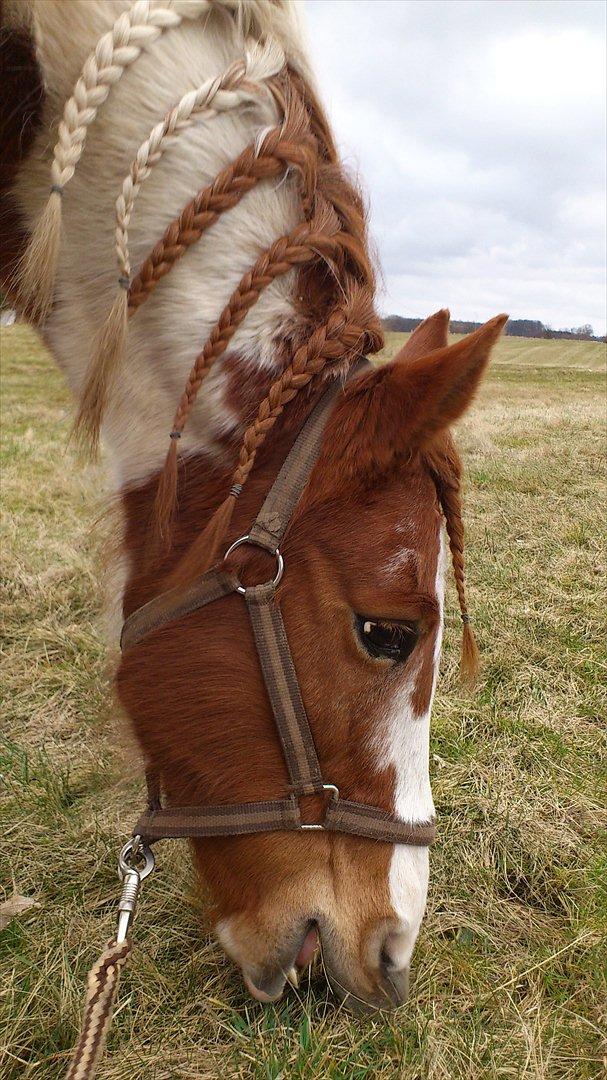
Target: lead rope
<point>104,976</point>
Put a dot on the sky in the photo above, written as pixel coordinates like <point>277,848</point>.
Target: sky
<point>477,128</point>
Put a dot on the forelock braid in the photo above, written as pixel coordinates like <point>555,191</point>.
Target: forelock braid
<point>449,494</point>
<point>346,334</point>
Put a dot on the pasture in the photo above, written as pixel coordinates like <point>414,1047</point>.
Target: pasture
<point>508,975</point>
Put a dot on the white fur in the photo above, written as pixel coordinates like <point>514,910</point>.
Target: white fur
<point>169,330</point>
<point>406,748</point>
<point>214,95</point>
<point>396,563</point>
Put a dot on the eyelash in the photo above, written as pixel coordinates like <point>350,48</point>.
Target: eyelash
<point>387,641</point>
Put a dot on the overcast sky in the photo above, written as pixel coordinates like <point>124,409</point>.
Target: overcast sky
<point>478,129</point>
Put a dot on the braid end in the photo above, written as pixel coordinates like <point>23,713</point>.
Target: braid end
<point>470,656</point>
<point>106,360</point>
<point>38,270</point>
<point>207,549</point>
<point>165,504</point>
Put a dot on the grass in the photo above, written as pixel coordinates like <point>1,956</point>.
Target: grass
<point>509,972</point>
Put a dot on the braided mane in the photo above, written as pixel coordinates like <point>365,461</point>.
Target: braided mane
<point>335,321</point>
<point>332,236</point>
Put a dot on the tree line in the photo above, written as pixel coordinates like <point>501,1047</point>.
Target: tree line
<point>531,328</point>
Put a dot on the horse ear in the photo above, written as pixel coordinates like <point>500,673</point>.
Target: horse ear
<point>403,405</point>
<point>431,334</point>
<point>432,391</point>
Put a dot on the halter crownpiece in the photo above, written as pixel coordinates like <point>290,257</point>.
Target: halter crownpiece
<point>275,815</point>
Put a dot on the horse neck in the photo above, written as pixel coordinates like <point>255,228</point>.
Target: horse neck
<point>168,331</point>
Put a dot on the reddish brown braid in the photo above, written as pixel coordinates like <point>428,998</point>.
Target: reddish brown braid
<point>306,241</point>
<point>446,469</point>
<point>287,145</point>
<point>334,236</point>
<point>351,330</point>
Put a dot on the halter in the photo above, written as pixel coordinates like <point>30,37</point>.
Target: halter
<point>340,815</point>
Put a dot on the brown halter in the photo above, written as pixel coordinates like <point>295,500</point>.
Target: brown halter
<point>236,819</point>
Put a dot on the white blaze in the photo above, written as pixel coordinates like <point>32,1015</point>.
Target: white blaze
<point>407,750</point>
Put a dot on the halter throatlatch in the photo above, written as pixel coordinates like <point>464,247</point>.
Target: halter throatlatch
<point>280,678</point>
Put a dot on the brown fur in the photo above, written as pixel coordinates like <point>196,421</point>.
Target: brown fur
<point>206,724</point>
<point>21,106</point>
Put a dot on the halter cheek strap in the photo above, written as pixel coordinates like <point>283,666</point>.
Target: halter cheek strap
<point>292,725</point>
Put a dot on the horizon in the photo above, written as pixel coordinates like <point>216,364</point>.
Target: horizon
<point>522,318</point>
<point>477,127</point>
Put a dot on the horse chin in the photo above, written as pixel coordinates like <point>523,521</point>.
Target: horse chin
<point>265,979</point>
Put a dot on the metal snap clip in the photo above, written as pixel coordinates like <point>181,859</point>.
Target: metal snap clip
<point>131,878</point>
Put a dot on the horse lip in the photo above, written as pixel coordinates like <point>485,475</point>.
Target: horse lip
<point>269,988</point>
<point>268,984</point>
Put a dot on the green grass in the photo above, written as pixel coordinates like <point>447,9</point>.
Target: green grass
<point>508,972</point>
<point>531,352</point>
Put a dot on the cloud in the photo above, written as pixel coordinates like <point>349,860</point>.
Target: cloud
<point>478,129</point>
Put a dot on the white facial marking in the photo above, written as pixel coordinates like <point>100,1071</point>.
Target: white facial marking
<point>396,563</point>
<point>407,750</point>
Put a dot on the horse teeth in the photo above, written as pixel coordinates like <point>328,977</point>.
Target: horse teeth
<point>293,977</point>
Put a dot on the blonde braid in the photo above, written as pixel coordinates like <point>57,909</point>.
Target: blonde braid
<point>133,31</point>
<point>238,84</point>
<point>223,92</point>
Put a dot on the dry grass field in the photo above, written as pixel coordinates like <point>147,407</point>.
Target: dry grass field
<point>509,972</point>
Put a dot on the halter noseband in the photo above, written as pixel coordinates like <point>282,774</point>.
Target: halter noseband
<point>277,815</point>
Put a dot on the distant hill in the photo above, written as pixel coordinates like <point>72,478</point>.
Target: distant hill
<point>531,328</point>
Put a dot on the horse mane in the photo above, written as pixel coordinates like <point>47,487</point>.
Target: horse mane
<point>336,317</point>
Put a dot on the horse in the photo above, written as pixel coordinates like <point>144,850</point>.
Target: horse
<point>194,225</point>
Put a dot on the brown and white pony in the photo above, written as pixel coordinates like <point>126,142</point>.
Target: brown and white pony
<point>363,595</point>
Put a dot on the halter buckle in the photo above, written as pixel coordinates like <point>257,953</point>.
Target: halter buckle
<point>334,796</point>
<point>280,563</point>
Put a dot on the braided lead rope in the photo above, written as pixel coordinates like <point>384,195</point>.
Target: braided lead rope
<point>101,990</point>
<point>133,31</point>
<point>240,83</point>
<point>103,978</point>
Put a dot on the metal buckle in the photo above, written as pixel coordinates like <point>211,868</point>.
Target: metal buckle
<point>334,795</point>
<point>280,563</point>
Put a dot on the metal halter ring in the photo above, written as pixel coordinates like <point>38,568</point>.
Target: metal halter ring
<point>280,563</point>
<point>133,851</point>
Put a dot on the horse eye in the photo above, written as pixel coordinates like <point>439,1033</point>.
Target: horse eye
<point>387,641</point>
